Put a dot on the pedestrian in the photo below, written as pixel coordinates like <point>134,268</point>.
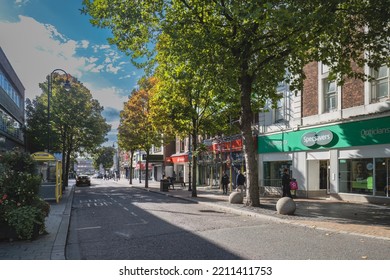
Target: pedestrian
<point>225,182</point>
<point>293,187</point>
<point>240,181</point>
<point>286,183</point>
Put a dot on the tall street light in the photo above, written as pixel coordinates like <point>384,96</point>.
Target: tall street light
<point>117,162</point>
<point>49,92</point>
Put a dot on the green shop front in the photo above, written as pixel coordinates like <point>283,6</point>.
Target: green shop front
<point>348,160</point>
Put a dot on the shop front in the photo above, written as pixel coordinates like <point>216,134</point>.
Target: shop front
<point>181,167</point>
<point>348,160</point>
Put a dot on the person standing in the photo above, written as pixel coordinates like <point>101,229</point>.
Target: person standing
<point>225,182</point>
<point>240,181</point>
<point>286,183</point>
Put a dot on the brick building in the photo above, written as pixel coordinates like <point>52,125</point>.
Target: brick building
<point>334,139</point>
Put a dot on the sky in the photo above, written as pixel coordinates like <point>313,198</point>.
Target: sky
<point>39,36</point>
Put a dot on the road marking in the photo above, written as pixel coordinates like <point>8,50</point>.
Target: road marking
<point>87,228</point>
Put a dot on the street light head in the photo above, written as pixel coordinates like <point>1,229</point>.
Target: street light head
<point>67,85</point>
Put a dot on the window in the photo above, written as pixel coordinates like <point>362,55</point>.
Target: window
<point>330,95</point>
<point>356,175</point>
<point>182,146</point>
<point>380,84</point>
<point>280,113</point>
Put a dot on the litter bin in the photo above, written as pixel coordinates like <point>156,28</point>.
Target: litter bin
<point>164,185</point>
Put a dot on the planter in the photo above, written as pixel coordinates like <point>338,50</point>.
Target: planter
<point>7,232</point>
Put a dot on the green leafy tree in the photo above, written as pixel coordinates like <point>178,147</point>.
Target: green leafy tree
<point>136,130</point>
<point>253,43</point>
<point>103,156</point>
<point>188,101</point>
<point>76,123</point>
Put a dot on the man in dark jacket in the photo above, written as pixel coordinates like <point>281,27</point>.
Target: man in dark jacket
<point>225,183</point>
<point>240,181</point>
<point>286,183</point>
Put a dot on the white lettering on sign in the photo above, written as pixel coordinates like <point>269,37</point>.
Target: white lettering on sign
<point>322,138</point>
<point>374,131</point>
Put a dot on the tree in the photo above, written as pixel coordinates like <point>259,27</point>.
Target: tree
<point>103,156</point>
<point>188,101</point>
<point>76,123</point>
<point>254,42</point>
<point>136,130</point>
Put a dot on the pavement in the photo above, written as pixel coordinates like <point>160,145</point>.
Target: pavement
<point>362,219</point>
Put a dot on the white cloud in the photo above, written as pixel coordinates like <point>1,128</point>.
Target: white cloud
<point>20,3</point>
<point>111,68</point>
<point>35,49</point>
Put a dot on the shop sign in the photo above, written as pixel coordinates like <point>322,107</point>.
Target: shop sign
<point>321,138</point>
<point>180,159</point>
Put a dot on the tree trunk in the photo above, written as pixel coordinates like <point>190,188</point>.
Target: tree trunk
<point>131,167</point>
<point>146,169</point>
<point>193,161</point>
<point>253,199</point>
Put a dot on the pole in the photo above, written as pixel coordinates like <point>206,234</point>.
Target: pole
<point>231,157</point>
<point>49,92</point>
<point>189,163</point>
<point>49,78</point>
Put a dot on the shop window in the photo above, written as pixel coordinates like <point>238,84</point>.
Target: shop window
<point>272,172</point>
<point>356,176</point>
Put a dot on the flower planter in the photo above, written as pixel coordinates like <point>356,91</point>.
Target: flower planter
<point>7,232</point>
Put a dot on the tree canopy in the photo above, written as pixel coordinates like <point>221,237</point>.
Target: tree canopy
<point>251,45</point>
<point>76,123</point>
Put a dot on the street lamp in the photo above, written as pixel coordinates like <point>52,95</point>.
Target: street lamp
<point>117,161</point>
<point>67,87</point>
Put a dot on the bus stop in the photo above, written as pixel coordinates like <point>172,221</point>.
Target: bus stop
<point>50,170</point>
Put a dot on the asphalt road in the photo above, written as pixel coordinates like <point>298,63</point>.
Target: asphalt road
<point>110,223</point>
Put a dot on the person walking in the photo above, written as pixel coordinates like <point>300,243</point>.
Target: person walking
<point>240,181</point>
<point>225,182</point>
<point>286,183</point>
<point>293,187</point>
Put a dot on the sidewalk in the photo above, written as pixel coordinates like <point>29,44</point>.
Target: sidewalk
<point>361,219</point>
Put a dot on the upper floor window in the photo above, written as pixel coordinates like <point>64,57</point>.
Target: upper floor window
<point>330,95</point>
<point>380,84</point>
<point>182,146</point>
<point>9,89</point>
<point>280,109</point>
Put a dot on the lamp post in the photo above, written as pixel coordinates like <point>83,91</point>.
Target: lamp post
<point>49,92</point>
<point>117,161</point>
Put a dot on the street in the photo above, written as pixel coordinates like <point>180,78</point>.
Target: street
<point>111,222</point>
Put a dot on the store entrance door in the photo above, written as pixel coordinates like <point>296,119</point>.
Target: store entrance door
<point>324,176</point>
<point>382,177</point>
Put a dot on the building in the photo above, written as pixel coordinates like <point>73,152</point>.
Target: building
<point>335,140</point>
<point>12,117</point>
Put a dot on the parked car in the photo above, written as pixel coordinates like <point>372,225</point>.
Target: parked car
<point>83,180</point>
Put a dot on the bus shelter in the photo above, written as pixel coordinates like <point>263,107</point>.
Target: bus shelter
<point>50,170</point>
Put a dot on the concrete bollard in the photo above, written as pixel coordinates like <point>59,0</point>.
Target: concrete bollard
<point>236,198</point>
<point>286,206</point>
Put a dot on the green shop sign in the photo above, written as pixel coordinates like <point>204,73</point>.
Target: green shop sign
<point>359,133</point>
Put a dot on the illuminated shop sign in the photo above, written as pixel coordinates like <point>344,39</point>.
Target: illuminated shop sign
<point>321,138</point>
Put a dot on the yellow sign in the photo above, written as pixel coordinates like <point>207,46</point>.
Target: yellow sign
<point>43,156</point>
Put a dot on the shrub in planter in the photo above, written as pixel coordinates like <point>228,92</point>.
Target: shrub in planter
<point>21,208</point>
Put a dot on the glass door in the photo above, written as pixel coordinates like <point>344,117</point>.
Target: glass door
<point>324,175</point>
<point>382,177</point>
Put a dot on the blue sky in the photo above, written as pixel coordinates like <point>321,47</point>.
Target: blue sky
<point>39,36</point>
